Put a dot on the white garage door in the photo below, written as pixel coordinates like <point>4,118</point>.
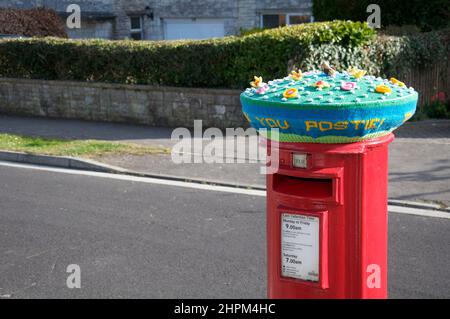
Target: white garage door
<point>193,29</point>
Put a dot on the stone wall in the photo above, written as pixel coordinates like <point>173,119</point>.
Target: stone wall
<point>61,5</point>
<point>247,17</point>
<point>92,29</point>
<point>140,104</point>
<point>285,6</point>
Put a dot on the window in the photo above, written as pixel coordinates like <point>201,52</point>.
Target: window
<point>297,19</point>
<point>273,20</point>
<point>136,28</point>
<point>279,20</point>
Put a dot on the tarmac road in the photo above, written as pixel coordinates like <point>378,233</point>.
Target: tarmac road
<point>143,240</point>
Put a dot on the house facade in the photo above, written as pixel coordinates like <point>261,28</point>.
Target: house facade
<point>174,19</point>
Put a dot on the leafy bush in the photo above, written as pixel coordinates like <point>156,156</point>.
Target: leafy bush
<point>396,30</point>
<point>38,22</point>
<point>438,110</point>
<point>228,63</point>
<point>427,15</point>
<point>433,110</point>
<point>384,56</point>
<point>243,32</point>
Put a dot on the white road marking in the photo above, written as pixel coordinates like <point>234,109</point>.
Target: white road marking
<point>418,212</point>
<point>130,178</point>
<point>226,189</point>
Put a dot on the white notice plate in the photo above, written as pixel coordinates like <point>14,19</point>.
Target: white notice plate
<point>300,246</point>
<point>299,160</point>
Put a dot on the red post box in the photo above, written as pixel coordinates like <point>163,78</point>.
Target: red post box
<point>327,220</point>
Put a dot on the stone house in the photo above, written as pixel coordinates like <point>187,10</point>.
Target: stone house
<point>174,19</point>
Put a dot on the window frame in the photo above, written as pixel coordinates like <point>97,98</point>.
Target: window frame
<point>139,31</point>
<point>286,16</point>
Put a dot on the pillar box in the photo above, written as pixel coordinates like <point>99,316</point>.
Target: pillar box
<point>327,202</point>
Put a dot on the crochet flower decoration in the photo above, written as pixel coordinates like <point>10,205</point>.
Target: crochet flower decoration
<point>357,73</point>
<point>290,93</point>
<point>257,82</point>
<point>382,88</point>
<point>262,89</point>
<point>319,85</point>
<point>348,86</point>
<point>296,75</point>
<point>397,82</point>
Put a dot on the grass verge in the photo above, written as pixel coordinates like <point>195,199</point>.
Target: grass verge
<point>80,148</point>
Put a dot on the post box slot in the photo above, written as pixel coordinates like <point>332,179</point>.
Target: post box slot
<point>316,188</point>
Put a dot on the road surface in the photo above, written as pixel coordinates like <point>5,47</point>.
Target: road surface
<point>135,239</point>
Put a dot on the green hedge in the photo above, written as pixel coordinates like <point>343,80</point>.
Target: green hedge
<point>427,15</point>
<point>385,55</point>
<point>225,63</point>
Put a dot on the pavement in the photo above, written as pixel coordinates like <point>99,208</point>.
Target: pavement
<point>419,160</point>
<point>137,239</point>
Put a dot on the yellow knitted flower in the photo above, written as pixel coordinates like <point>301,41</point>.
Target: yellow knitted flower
<point>357,73</point>
<point>296,75</point>
<point>257,81</point>
<point>395,81</point>
<point>290,93</point>
<point>383,89</point>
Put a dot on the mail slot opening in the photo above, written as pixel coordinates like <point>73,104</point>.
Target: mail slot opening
<point>303,187</point>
